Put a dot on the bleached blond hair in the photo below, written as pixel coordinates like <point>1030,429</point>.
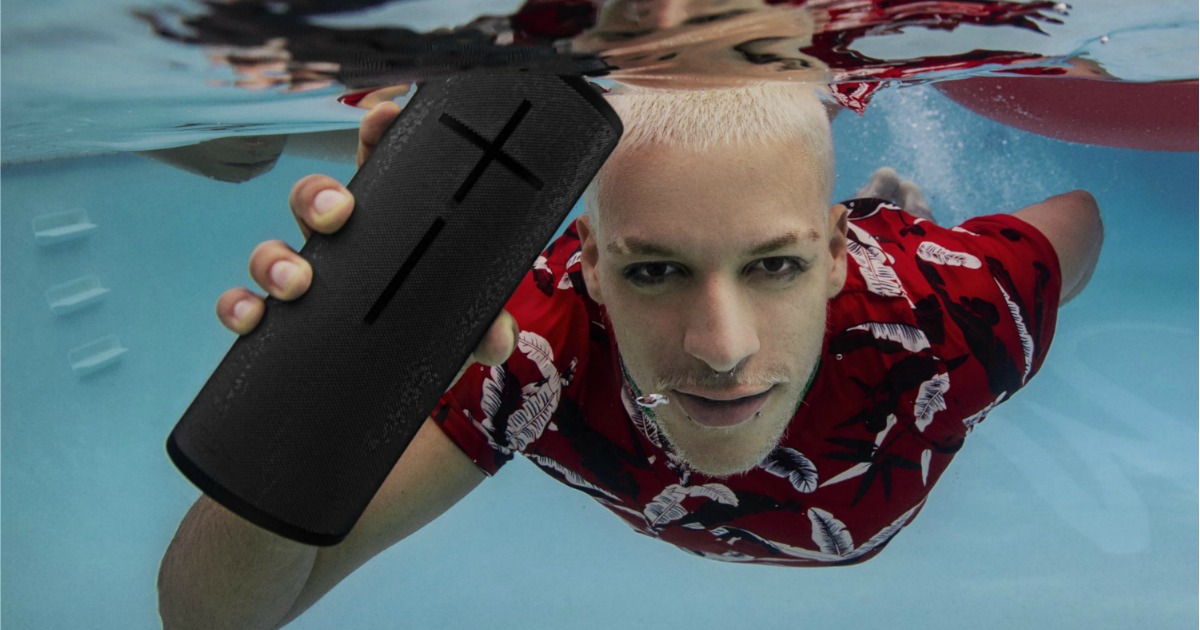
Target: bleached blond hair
<point>705,119</point>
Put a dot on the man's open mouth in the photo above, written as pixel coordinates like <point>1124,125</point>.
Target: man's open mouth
<point>722,413</point>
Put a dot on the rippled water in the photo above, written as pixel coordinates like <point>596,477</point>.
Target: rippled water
<point>84,78</point>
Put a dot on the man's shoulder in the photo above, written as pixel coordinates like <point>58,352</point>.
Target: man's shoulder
<point>892,253</point>
<point>980,298</point>
<point>882,244</point>
<point>552,300</point>
<point>556,273</point>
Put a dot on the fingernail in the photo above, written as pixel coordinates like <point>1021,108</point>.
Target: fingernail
<point>282,273</point>
<point>328,200</point>
<point>241,310</point>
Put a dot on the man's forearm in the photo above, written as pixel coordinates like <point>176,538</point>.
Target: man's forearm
<point>221,571</point>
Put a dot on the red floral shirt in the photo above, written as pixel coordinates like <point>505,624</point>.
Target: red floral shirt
<point>933,329</point>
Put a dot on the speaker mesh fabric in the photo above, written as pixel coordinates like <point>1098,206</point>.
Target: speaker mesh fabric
<point>305,416</point>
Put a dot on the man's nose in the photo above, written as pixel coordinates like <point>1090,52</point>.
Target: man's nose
<point>720,327</point>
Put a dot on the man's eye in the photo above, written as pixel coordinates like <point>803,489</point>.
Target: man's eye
<point>779,267</point>
<point>647,274</point>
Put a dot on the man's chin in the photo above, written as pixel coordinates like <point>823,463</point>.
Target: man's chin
<point>721,469</point>
<point>722,452</point>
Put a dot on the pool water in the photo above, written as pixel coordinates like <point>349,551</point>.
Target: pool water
<point>1073,506</point>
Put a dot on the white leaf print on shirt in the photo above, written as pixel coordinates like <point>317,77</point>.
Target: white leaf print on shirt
<point>931,400</point>
<point>926,455</point>
<point>937,254</point>
<point>647,426</point>
<point>874,264</point>
<point>859,469</point>
<point>829,533</point>
<point>573,478</point>
<point>630,511</point>
<point>680,467</point>
<point>731,535</point>
<point>528,422</point>
<point>540,399</point>
<point>886,533</point>
<point>565,282</point>
<point>728,556</point>
<point>667,507</point>
<point>1026,340</point>
<point>539,351</point>
<point>493,387</point>
<point>911,337</point>
<point>714,491</point>
<point>856,470</point>
<point>983,413</point>
<point>792,465</point>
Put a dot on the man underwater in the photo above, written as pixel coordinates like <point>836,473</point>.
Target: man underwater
<point>716,352</point>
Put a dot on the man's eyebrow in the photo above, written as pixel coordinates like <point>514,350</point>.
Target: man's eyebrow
<point>634,246</point>
<point>778,243</point>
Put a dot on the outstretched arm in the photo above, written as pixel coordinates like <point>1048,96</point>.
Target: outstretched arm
<point>1071,222</point>
<point>221,571</point>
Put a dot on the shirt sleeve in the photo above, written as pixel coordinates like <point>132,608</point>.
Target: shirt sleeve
<point>492,413</point>
<point>985,296</point>
<point>1025,269</point>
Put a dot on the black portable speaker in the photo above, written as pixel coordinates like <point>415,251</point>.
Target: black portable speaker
<point>305,416</point>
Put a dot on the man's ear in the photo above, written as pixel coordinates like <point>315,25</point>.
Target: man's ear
<point>839,226</point>
<point>589,257</point>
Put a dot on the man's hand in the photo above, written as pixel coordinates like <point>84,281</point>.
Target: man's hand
<point>321,204</point>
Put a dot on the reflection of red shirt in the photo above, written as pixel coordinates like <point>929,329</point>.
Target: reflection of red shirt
<point>934,327</point>
<point>856,76</point>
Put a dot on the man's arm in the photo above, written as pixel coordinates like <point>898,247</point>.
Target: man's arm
<point>1071,222</point>
<point>221,571</point>
<point>431,476</point>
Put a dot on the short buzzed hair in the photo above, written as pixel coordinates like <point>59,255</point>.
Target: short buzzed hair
<point>704,119</point>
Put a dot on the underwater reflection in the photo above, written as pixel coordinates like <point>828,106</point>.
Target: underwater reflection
<point>665,43</point>
<point>639,44</point>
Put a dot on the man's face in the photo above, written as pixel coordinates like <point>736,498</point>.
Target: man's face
<point>712,261</point>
